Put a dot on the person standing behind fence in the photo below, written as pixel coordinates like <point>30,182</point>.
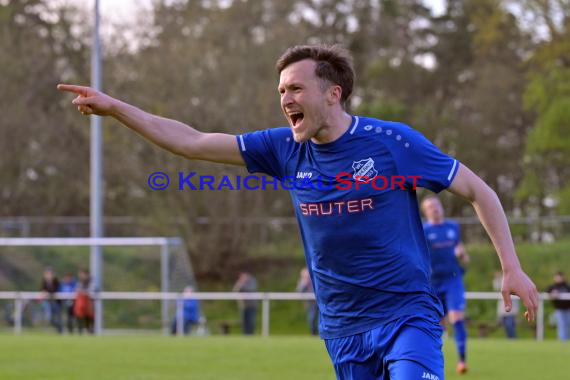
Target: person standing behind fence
<point>68,285</point>
<point>83,307</point>
<point>50,286</point>
<point>190,312</point>
<point>246,283</point>
<point>305,285</point>
<point>562,307</point>
<point>507,318</point>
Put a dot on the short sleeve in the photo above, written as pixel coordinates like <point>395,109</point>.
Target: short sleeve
<point>266,151</point>
<point>419,160</point>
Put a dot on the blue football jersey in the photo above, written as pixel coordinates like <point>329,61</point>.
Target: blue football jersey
<point>365,247</point>
<point>442,239</point>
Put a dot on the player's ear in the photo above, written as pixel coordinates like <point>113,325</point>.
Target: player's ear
<point>334,94</point>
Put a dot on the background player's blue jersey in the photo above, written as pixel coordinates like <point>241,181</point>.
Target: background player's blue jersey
<point>442,240</point>
<point>365,248</point>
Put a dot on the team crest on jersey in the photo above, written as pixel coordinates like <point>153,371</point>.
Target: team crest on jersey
<point>450,234</point>
<point>364,168</point>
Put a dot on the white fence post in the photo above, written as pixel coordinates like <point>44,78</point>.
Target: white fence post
<point>540,319</point>
<point>98,301</point>
<point>165,281</point>
<point>180,317</point>
<point>265,315</point>
<point>18,311</point>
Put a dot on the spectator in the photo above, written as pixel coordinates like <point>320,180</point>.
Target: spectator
<point>83,305</point>
<point>507,318</point>
<point>246,283</point>
<point>561,307</point>
<point>50,287</point>
<point>305,285</point>
<point>190,312</point>
<point>68,285</point>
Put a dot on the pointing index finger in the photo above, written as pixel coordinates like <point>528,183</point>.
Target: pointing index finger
<point>80,90</point>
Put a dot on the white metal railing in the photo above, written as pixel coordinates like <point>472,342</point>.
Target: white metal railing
<point>264,297</point>
<point>165,243</point>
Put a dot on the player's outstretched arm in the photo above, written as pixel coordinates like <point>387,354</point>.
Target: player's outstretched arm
<point>169,134</point>
<point>491,214</point>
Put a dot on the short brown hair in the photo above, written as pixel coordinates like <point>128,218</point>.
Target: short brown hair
<point>429,197</point>
<point>334,64</point>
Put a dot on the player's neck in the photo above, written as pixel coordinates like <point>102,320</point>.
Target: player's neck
<point>436,221</point>
<point>334,126</point>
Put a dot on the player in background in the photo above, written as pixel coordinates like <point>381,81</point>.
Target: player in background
<point>448,258</point>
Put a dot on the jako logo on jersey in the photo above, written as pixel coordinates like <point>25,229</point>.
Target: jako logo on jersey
<point>364,168</point>
<point>429,376</point>
<point>303,175</point>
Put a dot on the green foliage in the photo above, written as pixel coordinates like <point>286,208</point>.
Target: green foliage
<point>552,133</point>
<point>540,261</point>
<point>564,197</point>
<point>385,109</point>
<point>530,186</point>
<point>547,155</point>
<point>546,88</point>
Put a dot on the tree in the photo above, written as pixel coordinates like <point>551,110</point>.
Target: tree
<point>38,134</point>
<point>547,155</point>
<point>458,82</point>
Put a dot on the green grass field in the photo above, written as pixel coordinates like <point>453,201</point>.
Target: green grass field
<point>164,358</point>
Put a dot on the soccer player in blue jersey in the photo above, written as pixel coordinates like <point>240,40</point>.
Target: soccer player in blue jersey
<point>364,245</point>
<point>447,255</point>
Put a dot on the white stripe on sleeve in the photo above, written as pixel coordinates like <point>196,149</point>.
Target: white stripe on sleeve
<point>242,144</point>
<point>452,170</point>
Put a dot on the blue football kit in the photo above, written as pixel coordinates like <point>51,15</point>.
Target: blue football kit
<point>364,245</point>
<point>447,274</point>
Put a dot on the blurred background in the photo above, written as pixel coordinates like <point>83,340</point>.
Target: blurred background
<point>487,80</point>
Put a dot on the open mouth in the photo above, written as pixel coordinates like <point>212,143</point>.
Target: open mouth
<point>296,118</point>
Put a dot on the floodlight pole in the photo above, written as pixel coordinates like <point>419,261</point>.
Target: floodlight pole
<point>96,200</point>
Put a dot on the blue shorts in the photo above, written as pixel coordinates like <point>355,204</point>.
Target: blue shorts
<point>451,293</point>
<point>399,350</point>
